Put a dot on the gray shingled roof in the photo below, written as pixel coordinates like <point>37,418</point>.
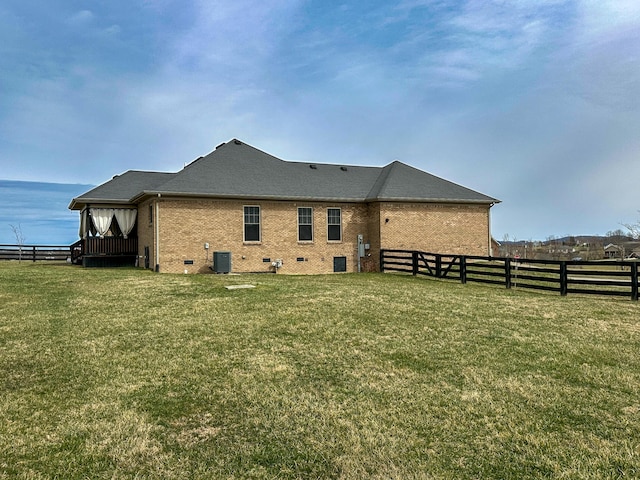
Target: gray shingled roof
<point>121,188</point>
<point>238,170</point>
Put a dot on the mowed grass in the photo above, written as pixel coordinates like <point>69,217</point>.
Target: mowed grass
<point>123,373</point>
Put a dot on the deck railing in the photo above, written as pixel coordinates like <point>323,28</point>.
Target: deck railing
<point>103,246</point>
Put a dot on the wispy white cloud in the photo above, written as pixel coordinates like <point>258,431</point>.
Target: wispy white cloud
<point>602,58</point>
<point>82,17</point>
<point>232,35</point>
<point>92,24</point>
<point>113,30</point>
<point>486,38</point>
<point>598,19</point>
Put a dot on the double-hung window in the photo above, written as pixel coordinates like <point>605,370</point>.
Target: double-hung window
<point>305,224</point>
<point>334,224</point>
<point>251,224</point>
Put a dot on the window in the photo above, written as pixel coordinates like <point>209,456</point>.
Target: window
<point>305,224</point>
<point>252,224</point>
<point>334,224</point>
<point>151,214</point>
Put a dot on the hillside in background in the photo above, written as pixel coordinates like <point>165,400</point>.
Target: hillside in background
<point>40,210</point>
<point>583,247</point>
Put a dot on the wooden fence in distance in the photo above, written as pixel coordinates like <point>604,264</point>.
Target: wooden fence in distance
<point>618,278</point>
<point>35,253</point>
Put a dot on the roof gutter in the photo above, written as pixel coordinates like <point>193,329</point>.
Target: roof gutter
<point>141,196</point>
<point>79,204</point>
<point>489,201</point>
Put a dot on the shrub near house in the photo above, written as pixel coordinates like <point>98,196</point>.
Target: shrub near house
<point>303,217</point>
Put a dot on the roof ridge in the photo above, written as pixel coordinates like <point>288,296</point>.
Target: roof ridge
<point>238,142</point>
<point>233,142</point>
<point>381,180</point>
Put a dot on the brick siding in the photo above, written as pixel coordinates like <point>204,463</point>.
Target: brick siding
<point>437,228</point>
<point>146,233</point>
<point>186,225</point>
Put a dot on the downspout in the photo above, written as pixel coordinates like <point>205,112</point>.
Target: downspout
<point>489,227</point>
<point>157,233</point>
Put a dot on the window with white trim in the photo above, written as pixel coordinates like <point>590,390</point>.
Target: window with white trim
<point>305,224</point>
<point>334,224</point>
<point>252,223</point>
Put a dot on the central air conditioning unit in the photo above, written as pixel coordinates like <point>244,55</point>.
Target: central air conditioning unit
<point>222,262</point>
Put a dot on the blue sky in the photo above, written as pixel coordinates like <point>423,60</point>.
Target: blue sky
<point>536,103</point>
<point>38,212</point>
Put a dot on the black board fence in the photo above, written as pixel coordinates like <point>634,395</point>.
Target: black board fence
<point>618,278</point>
<point>35,253</point>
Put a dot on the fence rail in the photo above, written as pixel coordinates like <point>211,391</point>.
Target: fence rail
<point>35,253</point>
<point>619,278</point>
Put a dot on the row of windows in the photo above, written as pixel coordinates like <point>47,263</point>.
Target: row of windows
<point>305,224</point>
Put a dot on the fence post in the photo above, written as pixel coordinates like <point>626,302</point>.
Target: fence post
<point>563,278</point>
<point>463,269</point>
<point>507,272</point>
<point>33,253</point>
<point>438,265</point>
<point>634,281</point>
<point>414,263</point>
<point>381,260</point>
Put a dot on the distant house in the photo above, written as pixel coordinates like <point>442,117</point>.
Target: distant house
<point>613,251</point>
<point>632,249</point>
<point>240,209</point>
<point>495,247</point>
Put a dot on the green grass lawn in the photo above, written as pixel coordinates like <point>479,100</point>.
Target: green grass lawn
<point>123,373</point>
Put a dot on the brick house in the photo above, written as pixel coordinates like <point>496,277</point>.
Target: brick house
<point>249,210</point>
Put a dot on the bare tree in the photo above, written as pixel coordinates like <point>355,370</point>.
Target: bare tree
<point>618,236</point>
<point>505,251</point>
<point>20,239</point>
<point>634,229</point>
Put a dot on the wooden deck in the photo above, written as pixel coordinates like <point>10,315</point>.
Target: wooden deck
<point>105,251</point>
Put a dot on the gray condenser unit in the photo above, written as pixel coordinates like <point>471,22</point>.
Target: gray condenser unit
<point>222,262</point>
